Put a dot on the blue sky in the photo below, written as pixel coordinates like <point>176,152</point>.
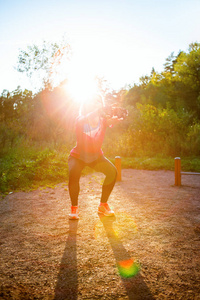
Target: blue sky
<point>120,40</point>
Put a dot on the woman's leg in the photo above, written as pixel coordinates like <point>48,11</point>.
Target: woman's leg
<point>75,168</point>
<point>104,166</point>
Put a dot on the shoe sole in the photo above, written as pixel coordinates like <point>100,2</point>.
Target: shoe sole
<point>73,218</point>
<point>107,215</point>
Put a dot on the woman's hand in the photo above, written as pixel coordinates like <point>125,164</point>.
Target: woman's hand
<point>114,114</point>
<point>114,120</point>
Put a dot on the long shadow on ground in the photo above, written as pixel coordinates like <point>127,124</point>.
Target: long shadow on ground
<point>67,283</point>
<point>128,269</point>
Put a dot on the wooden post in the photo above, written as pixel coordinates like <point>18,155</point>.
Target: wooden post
<point>177,171</point>
<point>118,167</point>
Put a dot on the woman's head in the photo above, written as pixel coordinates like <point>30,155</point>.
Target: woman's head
<point>92,104</point>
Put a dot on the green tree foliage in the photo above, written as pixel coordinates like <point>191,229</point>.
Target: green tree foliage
<point>41,63</point>
<point>15,108</point>
<point>170,63</point>
<point>164,109</point>
<point>187,70</point>
<point>178,84</point>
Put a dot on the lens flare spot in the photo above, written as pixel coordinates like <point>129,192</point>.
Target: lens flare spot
<point>128,268</point>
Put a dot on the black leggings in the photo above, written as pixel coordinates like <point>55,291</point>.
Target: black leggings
<point>102,165</point>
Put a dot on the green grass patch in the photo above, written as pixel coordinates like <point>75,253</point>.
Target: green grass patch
<point>27,168</point>
<point>190,164</point>
<point>148,163</point>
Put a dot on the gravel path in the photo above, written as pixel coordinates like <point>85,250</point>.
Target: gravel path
<point>149,250</point>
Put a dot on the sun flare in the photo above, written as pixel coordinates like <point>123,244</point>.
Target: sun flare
<point>81,86</point>
<point>81,83</point>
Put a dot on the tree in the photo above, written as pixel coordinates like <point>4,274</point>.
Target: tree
<point>178,85</point>
<point>188,66</point>
<point>171,60</point>
<point>187,70</point>
<point>41,63</point>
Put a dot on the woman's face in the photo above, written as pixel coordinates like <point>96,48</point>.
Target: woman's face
<point>91,106</point>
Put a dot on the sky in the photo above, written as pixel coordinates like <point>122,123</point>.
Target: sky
<point>120,40</point>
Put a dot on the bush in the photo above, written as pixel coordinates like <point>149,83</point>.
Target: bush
<point>193,139</point>
<point>152,131</point>
<point>27,166</point>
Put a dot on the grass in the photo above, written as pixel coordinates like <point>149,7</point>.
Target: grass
<point>29,167</point>
<point>190,164</point>
<point>148,163</point>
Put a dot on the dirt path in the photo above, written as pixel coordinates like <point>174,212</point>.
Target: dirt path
<point>156,229</point>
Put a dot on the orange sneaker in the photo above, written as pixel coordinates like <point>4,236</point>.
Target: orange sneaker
<point>105,210</point>
<point>74,213</point>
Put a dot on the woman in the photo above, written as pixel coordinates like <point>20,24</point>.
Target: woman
<point>90,130</point>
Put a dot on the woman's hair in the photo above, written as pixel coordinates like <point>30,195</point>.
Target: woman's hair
<point>87,106</point>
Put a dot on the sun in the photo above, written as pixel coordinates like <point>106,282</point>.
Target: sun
<point>81,83</point>
<point>77,75</point>
<point>81,86</point>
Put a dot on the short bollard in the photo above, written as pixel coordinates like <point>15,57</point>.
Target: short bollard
<point>118,167</point>
<point>177,171</point>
